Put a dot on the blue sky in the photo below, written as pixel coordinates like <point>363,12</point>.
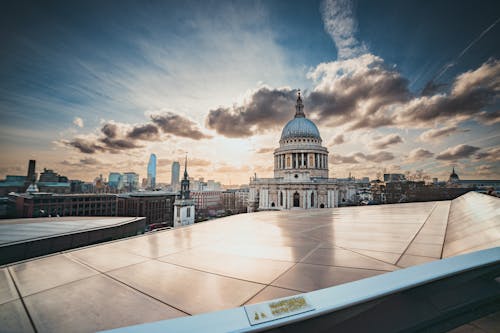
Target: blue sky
<point>89,88</point>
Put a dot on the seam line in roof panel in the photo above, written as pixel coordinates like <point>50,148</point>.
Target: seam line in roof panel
<point>131,287</point>
<point>416,234</point>
<point>22,300</point>
<point>446,229</point>
<point>207,272</point>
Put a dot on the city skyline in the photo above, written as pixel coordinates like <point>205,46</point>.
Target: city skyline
<point>88,89</point>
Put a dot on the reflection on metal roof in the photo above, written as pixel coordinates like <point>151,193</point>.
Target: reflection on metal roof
<point>17,230</point>
<point>237,260</point>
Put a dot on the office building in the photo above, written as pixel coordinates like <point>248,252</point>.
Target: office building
<point>151,172</point>
<point>174,182</point>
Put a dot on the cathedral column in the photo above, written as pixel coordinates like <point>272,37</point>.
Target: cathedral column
<point>302,164</point>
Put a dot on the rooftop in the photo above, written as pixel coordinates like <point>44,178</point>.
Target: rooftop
<point>237,260</point>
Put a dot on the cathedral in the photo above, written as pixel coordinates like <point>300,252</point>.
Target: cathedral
<point>300,171</point>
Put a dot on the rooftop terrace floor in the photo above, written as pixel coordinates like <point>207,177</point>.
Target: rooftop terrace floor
<point>237,260</point>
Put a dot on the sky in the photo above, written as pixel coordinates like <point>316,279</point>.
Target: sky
<point>92,87</point>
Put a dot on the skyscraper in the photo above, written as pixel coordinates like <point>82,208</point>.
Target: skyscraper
<point>152,171</point>
<point>176,169</point>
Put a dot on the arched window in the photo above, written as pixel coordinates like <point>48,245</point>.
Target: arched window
<point>296,199</point>
<point>312,199</point>
<point>281,198</point>
<point>272,204</point>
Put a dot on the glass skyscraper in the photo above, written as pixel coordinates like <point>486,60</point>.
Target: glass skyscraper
<point>152,171</point>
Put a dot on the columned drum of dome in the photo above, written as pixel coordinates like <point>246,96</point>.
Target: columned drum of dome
<point>300,153</point>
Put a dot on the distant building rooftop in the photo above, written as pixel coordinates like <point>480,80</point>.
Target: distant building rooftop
<point>237,260</point>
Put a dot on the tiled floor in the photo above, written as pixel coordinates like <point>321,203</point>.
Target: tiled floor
<point>237,260</point>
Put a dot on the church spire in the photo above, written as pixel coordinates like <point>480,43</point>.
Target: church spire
<point>185,168</point>
<point>185,193</point>
<point>299,107</point>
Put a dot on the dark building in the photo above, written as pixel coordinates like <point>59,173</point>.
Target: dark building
<point>31,171</point>
<point>52,204</point>
<point>156,206</point>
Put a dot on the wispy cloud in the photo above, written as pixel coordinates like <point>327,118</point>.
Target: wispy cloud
<point>438,133</point>
<point>340,23</point>
<point>419,154</point>
<point>386,141</point>
<point>457,152</point>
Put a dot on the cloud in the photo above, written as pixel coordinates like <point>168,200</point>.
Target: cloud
<point>378,157</point>
<point>83,145</point>
<point>83,162</point>
<point>471,92</point>
<point>437,133</point>
<point>487,170</point>
<point>340,159</point>
<point>110,130</point>
<point>174,124</point>
<point>419,154</point>
<point>78,122</point>
<point>340,24</point>
<point>338,140</point>
<point>381,156</point>
<point>89,161</point>
<point>489,118</point>
<point>265,150</point>
<point>147,132</point>
<point>457,152</point>
<point>491,154</point>
<point>198,162</point>
<point>266,109</point>
<point>386,141</point>
<point>115,137</point>
<point>357,92</point>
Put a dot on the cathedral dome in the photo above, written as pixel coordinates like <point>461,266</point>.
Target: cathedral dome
<point>300,126</point>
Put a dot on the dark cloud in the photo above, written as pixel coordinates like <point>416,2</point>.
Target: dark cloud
<point>84,146</point>
<point>364,92</point>
<point>437,133</point>
<point>386,141</point>
<point>470,94</point>
<point>357,92</point>
<point>117,137</point>
<point>110,130</point>
<point>89,161</point>
<point>457,152</point>
<point>115,145</point>
<point>171,123</point>
<point>147,132</point>
<point>266,109</point>
<point>418,154</point>
<point>265,150</point>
